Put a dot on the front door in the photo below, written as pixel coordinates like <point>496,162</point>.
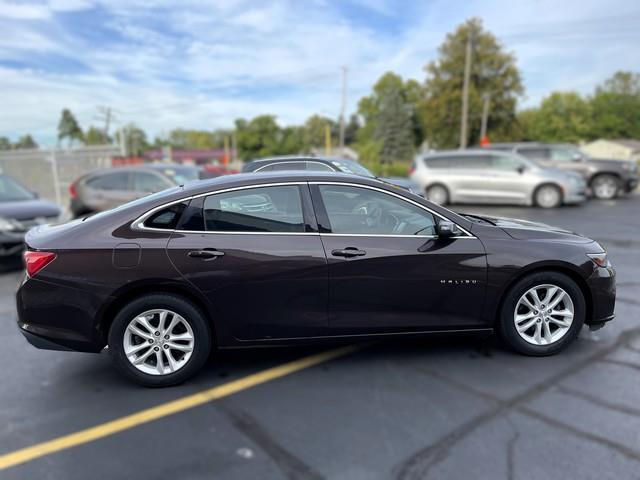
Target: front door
<point>250,251</point>
<point>388,270</point>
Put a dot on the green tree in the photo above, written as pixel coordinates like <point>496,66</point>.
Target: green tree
<point>493,72</point>
<point>5,143</point>
<point>135,139</point>
<point>615,107</point>
<point>292,141</point>
<point>561,117</point>
<point>96,136</point>
<point>196,139</point>
<point>260,137</point>
<point>68,128</point>
<point>351,129</point>
<point>314,131</point>
<point>393,126</point>
<point>26,141</point>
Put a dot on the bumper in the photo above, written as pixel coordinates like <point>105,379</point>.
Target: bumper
<point>575,197</point>
<point>58,317</point>
<point>630,183</point>
<point>602,286</point>
<point>11,244</point>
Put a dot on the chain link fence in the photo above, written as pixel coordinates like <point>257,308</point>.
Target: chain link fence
<point>49,172</point>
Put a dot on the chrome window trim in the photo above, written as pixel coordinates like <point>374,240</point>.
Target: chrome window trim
<point>331,169</point>
<point>358,185</point>
<point>138,224</point>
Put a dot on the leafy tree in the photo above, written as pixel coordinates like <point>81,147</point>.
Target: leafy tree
<point>369,107</point>
<point>135,139</point>
<point>5,143</point>
<point>315,131</point>
<point>68,128</point>
<point>196,139</point>
<point>561,117</point>
<point>493,72</point>
<point>259,137</point>
<point>292,141</point>
<point>25,141</point>
<point>393,126</point>
<point>351,129</point>
<point>96,136</point>
<point>615,107</point>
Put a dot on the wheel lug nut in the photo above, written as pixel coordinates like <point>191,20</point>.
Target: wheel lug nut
<point>150,341</point>
<point>166,346</point>
<point>535,312</point>
<point>155,349</point>
<point>166,337</point>
<point>157,333</point>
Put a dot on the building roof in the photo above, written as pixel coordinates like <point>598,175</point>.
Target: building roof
<point>629,143</point>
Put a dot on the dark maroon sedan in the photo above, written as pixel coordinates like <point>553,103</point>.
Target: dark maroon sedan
<point>275,259</point>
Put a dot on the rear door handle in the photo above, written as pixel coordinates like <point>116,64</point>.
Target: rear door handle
<point>206,254</point>
<point>348,252</point>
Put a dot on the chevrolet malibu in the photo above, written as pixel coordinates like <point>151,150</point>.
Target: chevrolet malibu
<point>281,259</point>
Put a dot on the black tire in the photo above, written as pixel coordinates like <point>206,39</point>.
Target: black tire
<point>506,323</point>
<point>438,194</point>
<point>606,186</point>
<point>547,196</point>
<point>175,303</point>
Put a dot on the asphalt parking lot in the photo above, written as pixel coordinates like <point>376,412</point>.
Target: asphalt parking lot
<point>434,408</point>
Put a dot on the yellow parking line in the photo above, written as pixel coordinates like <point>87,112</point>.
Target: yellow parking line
<point>154,413</point>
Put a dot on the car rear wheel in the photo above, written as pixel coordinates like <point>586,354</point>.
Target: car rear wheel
<point>542,314</point>
<point>159,340</point>
<point>605,186</point>
<point>548,196</point>
<point>438,194</point>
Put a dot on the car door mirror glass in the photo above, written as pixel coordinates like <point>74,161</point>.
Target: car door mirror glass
<point>448,229</point>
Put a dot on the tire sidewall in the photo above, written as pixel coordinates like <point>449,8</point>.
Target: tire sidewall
<point>507,326</point>
<point>542,188</point>
<point>191,314</point>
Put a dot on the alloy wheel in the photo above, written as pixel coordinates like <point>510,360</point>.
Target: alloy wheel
<point>605,187</point>
<point>544,314</point>
<point>437,194</point>
<point>548,197</point>
<point>158,342</point>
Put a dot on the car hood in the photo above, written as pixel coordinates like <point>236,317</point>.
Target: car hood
<point>26,209</point>
<point>526,230</point>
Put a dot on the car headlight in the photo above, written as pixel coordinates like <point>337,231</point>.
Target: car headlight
<point>600,259</point>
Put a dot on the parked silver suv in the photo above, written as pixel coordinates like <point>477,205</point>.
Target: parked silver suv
<point>477,176</point>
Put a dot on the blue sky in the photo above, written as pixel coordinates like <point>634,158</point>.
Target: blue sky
<point>201,64</point>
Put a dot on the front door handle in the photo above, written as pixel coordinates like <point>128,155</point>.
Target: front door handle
<point>206,254</point>
<point>348,252</point>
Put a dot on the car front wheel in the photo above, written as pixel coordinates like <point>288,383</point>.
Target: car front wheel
<point>605,187</point>
<point>159,340</point>
<point>548,196</point>
<point>438,194</point>
<point>542,314</point>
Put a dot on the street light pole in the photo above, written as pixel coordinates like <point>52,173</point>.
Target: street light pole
<point>465,94</point>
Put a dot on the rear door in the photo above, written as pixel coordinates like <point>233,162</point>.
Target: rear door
<point>506,181</point>
<point>255,253</point>
<point>468,176</point>
<point>388,270</point>
<point>108,190</point>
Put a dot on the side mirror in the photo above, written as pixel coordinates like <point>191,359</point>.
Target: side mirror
<point>448,229</point>
<point>521,169</point>
<point>576,157</point>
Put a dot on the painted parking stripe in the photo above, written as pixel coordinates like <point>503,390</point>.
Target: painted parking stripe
<point>27,454</point>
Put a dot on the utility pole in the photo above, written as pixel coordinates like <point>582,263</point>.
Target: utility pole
<point>106,115</point>
<point>485,116</point>
<point>343,106</point>
<point>465,94</point>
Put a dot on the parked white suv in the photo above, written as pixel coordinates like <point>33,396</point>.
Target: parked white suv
<point>476,176</point>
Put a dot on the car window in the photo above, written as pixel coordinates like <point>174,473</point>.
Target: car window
<point>148,182</point>
<point>357,210</point>
<point>564,154</point>
<point>167,218</point>
<point>11,190</point>
<point>504,162</point>
<point>110,181</point>
<point>280,166</point>
<point>319,167</point>
<point>261,209</point>
<point>535,153</point>
<point>437,162</point>
<point>349,166</point>
<point>470,162</point>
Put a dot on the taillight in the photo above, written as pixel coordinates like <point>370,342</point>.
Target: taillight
<point>412,168</point>
<point>72,190</point>
<point>36,261</point>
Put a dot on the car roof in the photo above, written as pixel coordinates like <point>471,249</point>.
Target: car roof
<point>471,152</point>
<point>289,158</point>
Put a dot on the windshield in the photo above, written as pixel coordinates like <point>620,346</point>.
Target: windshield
<point>349,166</point>
<point>11,191</point>
<point>180,175</point>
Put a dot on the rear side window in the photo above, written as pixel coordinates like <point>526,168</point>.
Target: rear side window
<point>167,218</point>
<point>110,181</point>
<point>438,162</point>
<point>148,182</point>
<point>535,153</point>
<point>470,162</point>
<point>262,209</point>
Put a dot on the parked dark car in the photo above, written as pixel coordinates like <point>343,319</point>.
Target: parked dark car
<point>324,164</point>
<point>606,178</point>
<point>104,189</point>
<point>290,258</point>
<point>20,209</point>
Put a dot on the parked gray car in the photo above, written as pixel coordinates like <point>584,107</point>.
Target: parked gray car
<point>606,178</point>
<point>105,189</point>
<point>479,176</point>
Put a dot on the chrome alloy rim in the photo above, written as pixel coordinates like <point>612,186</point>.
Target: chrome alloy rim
<point>158,342</point>
<point>437,195</point>
<point>605,188</point>
<point>544,314</point>
<point>548,197</point>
